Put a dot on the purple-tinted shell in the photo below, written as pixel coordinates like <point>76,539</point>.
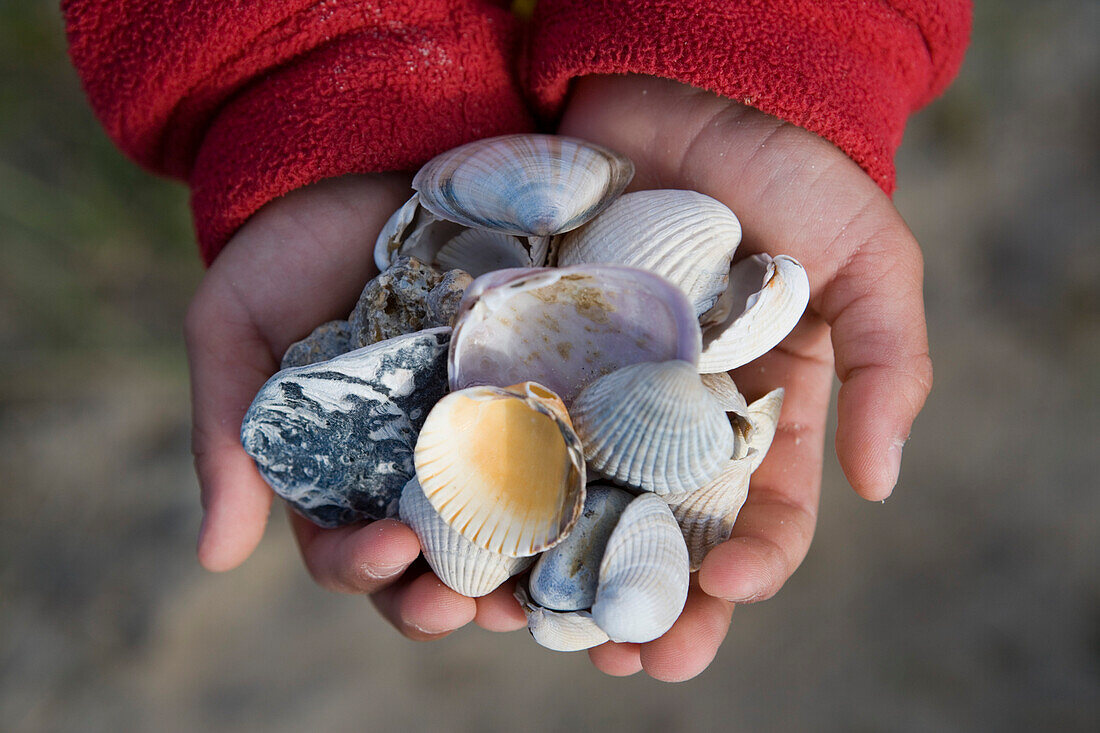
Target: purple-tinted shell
<point>566,327</point>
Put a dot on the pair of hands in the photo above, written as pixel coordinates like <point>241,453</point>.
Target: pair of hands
<point>304,259</point>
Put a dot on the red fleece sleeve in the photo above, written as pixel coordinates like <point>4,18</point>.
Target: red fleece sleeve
<point>850,70</point>
<point>248,101</point>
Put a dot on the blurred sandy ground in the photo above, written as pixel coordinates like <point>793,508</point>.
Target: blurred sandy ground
<point>969,601</point>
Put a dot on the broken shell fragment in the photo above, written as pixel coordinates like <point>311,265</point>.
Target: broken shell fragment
<point>763,414</point>
<point>565,576</point>
<point>325,342</point>
<point>461,565</point>
<point>566,327</point>
<point>561,631</point>
<point>685,236</point>
<point>763,302</point>
<point>335,439</point>
<point>644,574</point>
<point>653,426</point>
<point>503,467</point>
<point>706,516</point>
<point>525,185</point>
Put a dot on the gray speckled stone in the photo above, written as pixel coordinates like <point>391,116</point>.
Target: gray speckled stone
<point>400,300</point>
<point>444,298</point>
<point>327,341</point>
<point>565,576</point>
<point>336,439</point>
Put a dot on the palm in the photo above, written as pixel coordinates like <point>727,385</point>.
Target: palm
<point>795,194</point>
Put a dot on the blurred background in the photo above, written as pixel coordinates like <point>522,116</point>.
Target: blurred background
<point>968,601</point>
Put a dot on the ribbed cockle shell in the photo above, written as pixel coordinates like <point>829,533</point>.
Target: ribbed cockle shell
<point>644,573</point>
<point>653,426</point>
<point>503,467</point>
<point>685,236</point>
<point>561,631</point>
<point>706,516</point>
<point>566,327</point>
<point>526,185</point>
<point>763,302</point>
<point>463,566</point>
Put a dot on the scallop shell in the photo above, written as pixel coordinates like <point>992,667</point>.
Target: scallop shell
<point>764,416</point>
<point>527,185</point>
<point>460,564</point>
<point>723,389</point>
<point>565,576</point>
<point>503,467</point>
<point>478,251</point>
<point>335,439</point>
<point>764,301</point>
<point>685,236</point>
<point>706,516</point>
<point>643,575</point>
<point>653,426</point>
<point>566,327</point>
<point>561,631</point>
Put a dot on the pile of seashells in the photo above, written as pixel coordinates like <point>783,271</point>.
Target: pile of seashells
<point>474,391</point>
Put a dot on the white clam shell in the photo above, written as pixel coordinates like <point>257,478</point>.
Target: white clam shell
<point>653,426</point>
<point>706,516</point>
<point>566,327</point>
<point>478,251</point>
<point>763,414</point>
<point>561,631</point>
<point>685,236</point>
<point>644,574</point>
<point>565,576</point>
<point>503,467</point>
<point>527,185</point>
<point>723,389</point>
<point>763,302</point>
<point>460,564</point>
<point>412,231</point>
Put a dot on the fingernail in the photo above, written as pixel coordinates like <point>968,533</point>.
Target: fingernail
<point>430,632</point>
<point>893,455</point>
<point>202,534</point>
<point>377,571</point>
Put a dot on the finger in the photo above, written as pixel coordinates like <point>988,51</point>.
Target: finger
<point>689,646</point>
<point>228,365</point>
<point>423,608</point>
<point>499,610</point>
<point>876,309</point>
<point>355,559</point>
<point>774,528</point>
<point>617,660</point>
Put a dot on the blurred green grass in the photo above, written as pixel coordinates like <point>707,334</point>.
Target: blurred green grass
<point>98,254</point>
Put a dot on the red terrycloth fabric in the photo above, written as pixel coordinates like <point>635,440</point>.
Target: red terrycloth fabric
<point>850,70</point>
<point>249,100</point>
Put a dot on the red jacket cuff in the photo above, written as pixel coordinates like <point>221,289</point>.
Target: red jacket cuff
<point>849,70</point>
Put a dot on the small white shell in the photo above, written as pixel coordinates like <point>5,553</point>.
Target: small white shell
<point>460,564</point>
<point>653,426</point>
<point>644,574</point>
<point>412,231</point>
<point>526,185</point>
<point>503,467</point>
<point>764,301</point>
<point>561,631</point>
<point>565,576</point>
<point>478,251</point>
<point>764,416</point>
<point>685,236</point>
<point>706,516</point>
<point>566,327</point>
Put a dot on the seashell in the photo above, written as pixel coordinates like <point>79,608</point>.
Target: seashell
<point>460,564</point>
<point>326,341</point>
<point>685,236</point>
<point>397,302</point>
<point>335,439</point>
<point>763,302</point>
<point>706,515</point>
<point>478,251</point>
<point>525,185</point>
<point>764,416</point>
<point>503,467</point>
<point>565,576</point>
<point>561,631</point>
<point>412,231</point>
<point>566,327</point>
<point>653,426</point>
<point>643,575</point>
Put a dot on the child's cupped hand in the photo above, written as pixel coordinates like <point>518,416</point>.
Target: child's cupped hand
<point>304,258</point>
